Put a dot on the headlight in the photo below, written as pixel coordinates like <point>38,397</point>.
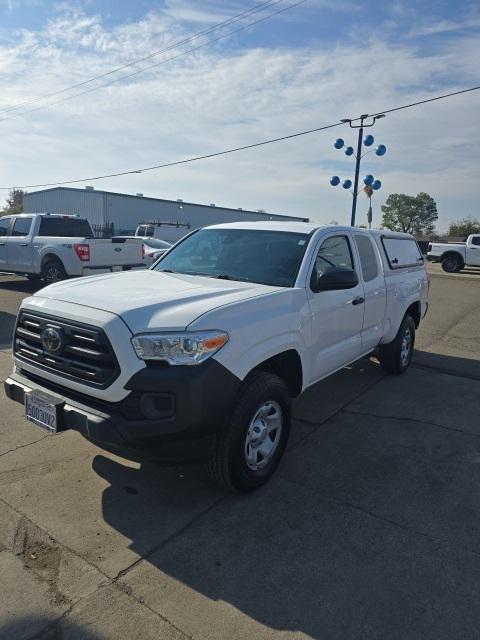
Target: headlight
<point>179,348</point>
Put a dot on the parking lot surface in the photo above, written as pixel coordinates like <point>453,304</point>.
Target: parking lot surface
<point>369,530</point>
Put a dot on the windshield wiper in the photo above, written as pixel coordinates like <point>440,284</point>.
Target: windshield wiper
<point>223,276</point>
<point>167,271</point>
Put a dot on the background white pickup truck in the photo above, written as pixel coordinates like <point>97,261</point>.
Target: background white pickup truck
<point>198,358</point>
<point>55,247</point>
<point>456,255</point>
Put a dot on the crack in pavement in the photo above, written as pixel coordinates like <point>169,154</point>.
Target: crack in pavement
<point>331,415</point>
<point>109,582</point>
<point>406,419</point>
<point>445,371</point>
<point>22,446</point>
<point>170,538</point>
<point>376,516</point>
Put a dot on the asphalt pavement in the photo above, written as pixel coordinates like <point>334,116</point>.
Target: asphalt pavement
<point>369,530</point>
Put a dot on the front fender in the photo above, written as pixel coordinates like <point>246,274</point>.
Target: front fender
<point>259,329</point>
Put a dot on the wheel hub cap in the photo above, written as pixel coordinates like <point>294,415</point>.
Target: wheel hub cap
<point>263,435</point>
<point>405,346</point>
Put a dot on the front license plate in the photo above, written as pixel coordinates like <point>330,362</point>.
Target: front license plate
<point>42,410</point>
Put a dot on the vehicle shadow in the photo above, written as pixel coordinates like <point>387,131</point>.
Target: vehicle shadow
<point>343,542</point>
<point>44,628</point>
<point>17,283</point>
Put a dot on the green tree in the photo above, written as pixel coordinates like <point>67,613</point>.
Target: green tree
<point>464,227</point>
<point>411,214</point>
<point>14,202</point>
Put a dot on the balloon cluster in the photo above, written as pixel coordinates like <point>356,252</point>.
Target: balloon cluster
<point>369,180</point>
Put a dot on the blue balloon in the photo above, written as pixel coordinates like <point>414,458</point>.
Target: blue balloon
<point>339,143</point>
<point>368,140</point>
<point>368,179</point>
<point>380,150</point>
<point>334,180</point>
<point>376,185</point>
<point>346,184</point>
<point>349,151</point>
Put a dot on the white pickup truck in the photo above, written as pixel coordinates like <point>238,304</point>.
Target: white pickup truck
<point>198,358</point>
<point>455,256</point>
<point>54,247</point>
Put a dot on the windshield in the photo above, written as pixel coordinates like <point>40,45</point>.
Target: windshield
<point>265,257</point>
<point>156,244</point>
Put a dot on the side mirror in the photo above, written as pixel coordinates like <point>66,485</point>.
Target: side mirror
<point>334,278</point>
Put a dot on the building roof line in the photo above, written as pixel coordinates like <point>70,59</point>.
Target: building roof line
<point>177,202</point>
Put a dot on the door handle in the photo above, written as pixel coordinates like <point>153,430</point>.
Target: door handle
<point>2,244</point>
<point>24,244</point>
<point>358,300</point>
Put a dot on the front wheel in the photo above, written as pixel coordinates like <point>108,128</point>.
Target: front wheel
<point>250,447</point>
<point>395,357</point>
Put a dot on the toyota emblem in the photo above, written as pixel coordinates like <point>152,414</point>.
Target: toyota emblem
<point>52,339</point>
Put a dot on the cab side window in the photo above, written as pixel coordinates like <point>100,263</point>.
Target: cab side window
<point>334,252</point>
<point>4,226</point>
<point>22,227</point>
<point>476,241</point>
<point>368,257</point>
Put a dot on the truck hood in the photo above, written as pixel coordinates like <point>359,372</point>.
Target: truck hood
<point>152,300</point>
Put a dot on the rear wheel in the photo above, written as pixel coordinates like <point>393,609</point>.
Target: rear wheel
<point>249,448</point>
<point>53,271</point>
<point>452,263</point>
<point>395,357</point>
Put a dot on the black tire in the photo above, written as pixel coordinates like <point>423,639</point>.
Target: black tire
<point>53,271</point>
<point>229,466</point>
<point>392,356</point>
<point>452,263</point>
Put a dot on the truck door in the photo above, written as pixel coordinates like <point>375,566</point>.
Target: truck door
<point>336,316</point>
<point>473,251</point>
<point>375,292</point>
<point>20,246</point>
<point>4,227</point>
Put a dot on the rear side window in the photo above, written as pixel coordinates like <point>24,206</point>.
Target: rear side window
<point>476,241</point>
<point>4,226</point>
<point>65,227</point>
<point>22,227</point>
<point>402,252</point>
<point>368,257</point>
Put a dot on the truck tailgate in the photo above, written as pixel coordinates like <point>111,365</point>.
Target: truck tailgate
<point>115,252</point>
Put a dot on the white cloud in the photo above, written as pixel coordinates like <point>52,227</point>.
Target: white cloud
<point>445,26</point>
<point>215,99</point>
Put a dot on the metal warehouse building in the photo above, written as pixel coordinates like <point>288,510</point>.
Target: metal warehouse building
<point>125,211</point>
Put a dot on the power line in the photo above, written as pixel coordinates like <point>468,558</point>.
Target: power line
<point>242,148</point>
<point>158,52</point>
<point>144,69</point>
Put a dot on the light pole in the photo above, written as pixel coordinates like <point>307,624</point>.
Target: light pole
<point>368,141</point>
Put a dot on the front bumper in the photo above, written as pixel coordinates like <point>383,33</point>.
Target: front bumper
<point>201,400</point>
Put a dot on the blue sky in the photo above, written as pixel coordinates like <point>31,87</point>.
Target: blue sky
<point>306,67</point>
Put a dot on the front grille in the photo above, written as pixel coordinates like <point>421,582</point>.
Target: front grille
<point>85,354</point>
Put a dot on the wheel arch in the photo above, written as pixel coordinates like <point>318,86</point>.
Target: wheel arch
<point>50,257</point>
<point>287,365</point>
<point>415,311</point>
<point>452,252</point>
